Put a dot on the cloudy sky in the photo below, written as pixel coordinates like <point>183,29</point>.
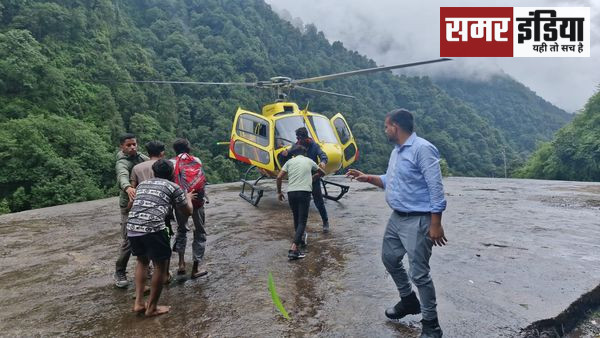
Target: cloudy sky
<point>398,31</point>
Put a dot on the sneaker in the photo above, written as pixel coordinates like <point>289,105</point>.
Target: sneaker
<point>297,254</point>
<point>121,279</point>
<point>325,227</point>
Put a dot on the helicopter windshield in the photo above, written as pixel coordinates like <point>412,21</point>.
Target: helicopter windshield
<point>285,130</point>
<point>323,129</point>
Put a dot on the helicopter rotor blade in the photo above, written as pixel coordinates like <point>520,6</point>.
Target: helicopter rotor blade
<point>365,71</point>
<point>246,84</point>
<point>322,92</point>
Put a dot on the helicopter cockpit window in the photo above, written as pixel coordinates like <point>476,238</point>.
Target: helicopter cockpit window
<point>342,130</point>
<point>253,128</point>
<point>285,130</point>
<point>322,127</point>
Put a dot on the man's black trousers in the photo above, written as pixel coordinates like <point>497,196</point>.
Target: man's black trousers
<point>299,202</point>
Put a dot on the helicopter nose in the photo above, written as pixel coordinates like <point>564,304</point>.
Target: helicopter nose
<point>334,157</point>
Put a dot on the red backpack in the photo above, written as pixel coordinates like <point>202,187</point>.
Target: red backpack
<point>190,177</point>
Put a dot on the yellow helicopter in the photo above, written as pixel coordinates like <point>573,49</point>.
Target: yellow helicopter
<point>258,139</point>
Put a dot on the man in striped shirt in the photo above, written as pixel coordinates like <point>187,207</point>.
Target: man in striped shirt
<point>148,235</point>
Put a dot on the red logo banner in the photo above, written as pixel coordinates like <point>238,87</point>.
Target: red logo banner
<point>476,31</point>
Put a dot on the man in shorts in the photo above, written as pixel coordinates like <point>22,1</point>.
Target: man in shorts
<point>143,171</point>
<point>147,232</point>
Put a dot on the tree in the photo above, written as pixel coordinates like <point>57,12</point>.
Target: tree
<point>574,153</point>
<point>53,160</point>
<point>21,62</point>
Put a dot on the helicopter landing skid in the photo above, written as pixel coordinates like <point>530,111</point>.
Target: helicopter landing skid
<point>256,193</point>
<point>344,189</point>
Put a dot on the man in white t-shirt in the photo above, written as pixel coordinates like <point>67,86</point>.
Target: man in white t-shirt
<point>300,178</point>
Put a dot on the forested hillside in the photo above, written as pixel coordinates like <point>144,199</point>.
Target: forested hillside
<point>574,154</point>
<point>522,117</point>
<point>62,105</point>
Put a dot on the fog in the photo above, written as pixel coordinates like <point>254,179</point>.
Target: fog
<point>393,31</point>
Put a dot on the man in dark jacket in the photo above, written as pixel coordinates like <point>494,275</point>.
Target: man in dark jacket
<point>315,153</point>
<point>127,157</point>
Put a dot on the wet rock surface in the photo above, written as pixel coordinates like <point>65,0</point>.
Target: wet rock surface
<point>519,251</point>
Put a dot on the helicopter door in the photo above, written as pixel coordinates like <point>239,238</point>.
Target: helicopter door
<point>342,131</point>
<point>252,140</point>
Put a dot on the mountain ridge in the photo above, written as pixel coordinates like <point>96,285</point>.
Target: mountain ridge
<point>523,117</point>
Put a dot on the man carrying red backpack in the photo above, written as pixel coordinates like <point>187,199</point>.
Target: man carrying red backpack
<point>190,177</point>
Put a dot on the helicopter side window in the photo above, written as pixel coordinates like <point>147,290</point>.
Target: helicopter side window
<point>251,152</point>
<point>253,129</point>
<point>342,130</point>
<point>349,151</point>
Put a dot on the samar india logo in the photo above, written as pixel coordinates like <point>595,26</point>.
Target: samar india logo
<point>515,32</point>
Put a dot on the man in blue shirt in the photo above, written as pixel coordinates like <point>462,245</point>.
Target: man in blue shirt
<point>414,190</point>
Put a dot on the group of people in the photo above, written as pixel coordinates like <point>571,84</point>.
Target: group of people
<point>149,197</point>
<point>413,190</point>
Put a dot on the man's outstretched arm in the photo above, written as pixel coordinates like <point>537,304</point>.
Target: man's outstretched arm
<point>362,177</point>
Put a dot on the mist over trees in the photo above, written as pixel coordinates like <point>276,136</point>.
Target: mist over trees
<point>64,98</point>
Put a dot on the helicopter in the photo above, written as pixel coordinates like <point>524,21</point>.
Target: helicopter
<point>259,139</point>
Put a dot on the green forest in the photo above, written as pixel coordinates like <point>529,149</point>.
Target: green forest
<point>523,118</point>
<point>574,153</point>
<point>64,96</point>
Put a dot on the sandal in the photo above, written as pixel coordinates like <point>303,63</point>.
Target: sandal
<point>199,273</point>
